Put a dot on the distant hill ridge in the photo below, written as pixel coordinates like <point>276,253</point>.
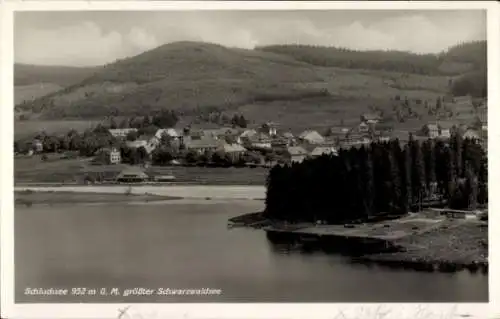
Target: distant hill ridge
<point>28,74</point>
<point>472,54</point>
<point>191,76</point>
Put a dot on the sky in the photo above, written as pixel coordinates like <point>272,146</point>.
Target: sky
<point>85,38</point>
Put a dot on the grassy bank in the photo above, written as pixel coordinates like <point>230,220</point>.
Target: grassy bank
<point>29,198</point>
<point>56,170</point>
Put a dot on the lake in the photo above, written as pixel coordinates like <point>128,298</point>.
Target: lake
<point>186,245</point>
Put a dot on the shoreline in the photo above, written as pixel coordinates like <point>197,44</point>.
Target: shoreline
<point>218,192</point>
<point>28,198</point>
<point>124,195</point>
<point>453,246</point>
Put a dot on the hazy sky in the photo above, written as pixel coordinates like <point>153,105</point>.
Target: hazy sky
<point>95,38</point>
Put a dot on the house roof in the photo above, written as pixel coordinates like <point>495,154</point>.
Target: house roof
<point>223,131</point>
<point>248,133</point>
<point>288,135</point>
<point>232,148</point>
<point>259,138</point>
<point>169,131</point>
<point>107,150</point>
<point>311,135</point>
<point>205,142</point>
<point>320,150</point>
<point>296,150</point>
<point>133,171</point>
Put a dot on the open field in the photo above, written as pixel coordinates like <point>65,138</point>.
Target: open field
<point>30,198</point>
<point>55,170</point>
<point>33,91</point>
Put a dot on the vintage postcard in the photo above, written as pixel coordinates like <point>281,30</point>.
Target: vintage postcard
<point>247,159</point>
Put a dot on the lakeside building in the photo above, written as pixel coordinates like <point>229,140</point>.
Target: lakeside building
<point>132,175</point>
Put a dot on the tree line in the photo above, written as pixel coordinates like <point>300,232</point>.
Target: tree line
<point>383,178</point>
<point>395,61</point>
<point>474,84</point>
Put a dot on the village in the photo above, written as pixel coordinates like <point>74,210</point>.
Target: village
<point>253,145</point>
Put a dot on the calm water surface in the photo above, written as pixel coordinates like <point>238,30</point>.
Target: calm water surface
<point>188,246</point>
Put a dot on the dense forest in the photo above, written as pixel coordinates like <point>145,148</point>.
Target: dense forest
<point>350,59</point>
<point>383,178</point>
<point>471,53</point>
<point>474,84</point>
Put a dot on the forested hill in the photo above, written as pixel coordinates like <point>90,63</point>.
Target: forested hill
<point>474,82</point>
<point>193,77</point>
<point>456,60</point>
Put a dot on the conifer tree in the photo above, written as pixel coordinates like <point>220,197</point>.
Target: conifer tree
<point>472,187</point>
<point>408,176</point>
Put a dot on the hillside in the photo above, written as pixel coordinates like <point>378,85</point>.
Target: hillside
<point>192,77</point>
<point>33,91</point>
<point>34,81</point>
<point>182,75</point>
<point>26,74</point>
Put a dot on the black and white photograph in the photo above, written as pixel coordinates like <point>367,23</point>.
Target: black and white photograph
<point>250,156</point>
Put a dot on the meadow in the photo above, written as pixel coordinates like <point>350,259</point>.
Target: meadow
<point>55,170</point>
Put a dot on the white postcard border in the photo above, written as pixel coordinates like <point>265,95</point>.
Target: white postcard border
<point>153,311</point>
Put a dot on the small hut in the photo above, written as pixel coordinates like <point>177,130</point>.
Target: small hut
<point>132,175</point>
